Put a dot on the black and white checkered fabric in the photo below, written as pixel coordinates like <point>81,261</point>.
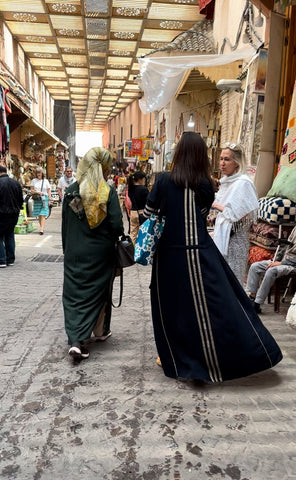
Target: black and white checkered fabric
<point>277,210</point>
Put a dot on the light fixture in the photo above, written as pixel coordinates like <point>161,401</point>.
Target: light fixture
<point>229,84</point>
<point>191,122</point>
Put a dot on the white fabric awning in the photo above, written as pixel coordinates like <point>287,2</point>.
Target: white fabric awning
<point>160,77</point>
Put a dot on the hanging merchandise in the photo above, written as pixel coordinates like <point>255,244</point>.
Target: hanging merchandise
<point>162,130</point>
<point>156,145</point>
<point>179,131</point>
<point>137,146</point>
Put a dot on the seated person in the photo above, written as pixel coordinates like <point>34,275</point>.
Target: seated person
<point>283,264</point>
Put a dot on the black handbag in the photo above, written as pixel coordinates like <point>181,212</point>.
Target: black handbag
<point>124,258</point>
<point>125,252</point>
<point>36,196</point>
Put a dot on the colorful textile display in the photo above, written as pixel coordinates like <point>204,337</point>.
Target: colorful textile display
<point>265,235</point>
<point>284,184</point>
<point>276,210</point>
<point>256,254</point>
<point>288,155</point>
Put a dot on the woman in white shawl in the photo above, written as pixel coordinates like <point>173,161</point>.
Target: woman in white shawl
<point>237,204</point>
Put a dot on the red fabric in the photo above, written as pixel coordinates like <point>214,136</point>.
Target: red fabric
<point>137,146</point>
<point>256,254</point>
<point>207,7</point>
<point>127,203</point>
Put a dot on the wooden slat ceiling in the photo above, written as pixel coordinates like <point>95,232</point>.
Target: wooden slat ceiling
<point>86,51</point>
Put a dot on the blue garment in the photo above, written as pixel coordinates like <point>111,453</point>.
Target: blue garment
<point>40,208</point>
<point>205,325</point>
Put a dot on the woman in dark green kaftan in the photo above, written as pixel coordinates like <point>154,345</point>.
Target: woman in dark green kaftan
<point>92,222</point>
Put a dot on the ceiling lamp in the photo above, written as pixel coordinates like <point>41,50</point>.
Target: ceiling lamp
<point>121,53</point>
<point>171,24</point>
<point>124,35</point>
<point>69,32</point>
<point>128,11</point>
<point>25,17</point>
<point>118,65</point>
<point>43,55</point>
<point>63,8</point>
<point>191,122</point>
<point>33,38</point>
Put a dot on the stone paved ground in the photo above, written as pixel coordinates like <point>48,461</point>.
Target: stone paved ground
<point>116,416</point>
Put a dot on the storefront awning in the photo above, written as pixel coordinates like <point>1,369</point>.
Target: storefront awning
<point>41,135</point>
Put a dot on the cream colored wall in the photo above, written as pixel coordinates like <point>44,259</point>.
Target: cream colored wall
<point>228,14</point>
<point>15,142</point>
<point>131,115</point>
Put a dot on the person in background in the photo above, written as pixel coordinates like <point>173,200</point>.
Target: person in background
<point>11,202</point>
<point>91,225</point>
<point>270,270</point>
<point>65,181</point>
<point>205,326</point>
<point>41,185</point>
<point>138,193</point>
<point>237,205</point>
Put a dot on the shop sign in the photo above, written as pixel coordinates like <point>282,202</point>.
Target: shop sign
<point>137,146</point>
<point>127,151</point>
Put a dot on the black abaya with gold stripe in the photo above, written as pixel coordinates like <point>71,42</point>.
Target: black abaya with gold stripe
<point>204,324</point>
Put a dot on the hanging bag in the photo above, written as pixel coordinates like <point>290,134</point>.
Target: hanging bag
<point>124,258</point>
<point>125,252</point>
<point>36,196</point>
<point>147,240</point>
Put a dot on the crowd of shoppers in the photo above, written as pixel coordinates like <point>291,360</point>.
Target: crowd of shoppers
<point>205,326</point>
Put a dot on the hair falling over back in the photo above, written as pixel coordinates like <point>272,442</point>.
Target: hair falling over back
<point>190,162</point>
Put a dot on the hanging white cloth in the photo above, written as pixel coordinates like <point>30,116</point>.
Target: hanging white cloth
<point>238,195</point>
<point>161,76</point>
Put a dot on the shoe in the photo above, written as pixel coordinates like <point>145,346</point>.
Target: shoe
<point>102,338</point>
<point>78,351</point>
<point>257,307</point>
<point>41,233</point>
<point>2,265</point>
<point>10,264</point>
<point>252,298</point>
<point>158,361</point>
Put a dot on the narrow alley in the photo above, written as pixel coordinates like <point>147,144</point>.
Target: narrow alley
<point>115,415</point>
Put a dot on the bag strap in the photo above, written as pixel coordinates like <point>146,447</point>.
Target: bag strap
<point>121,288</point>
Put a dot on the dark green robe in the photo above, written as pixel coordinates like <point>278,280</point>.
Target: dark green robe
<point>89,256</point>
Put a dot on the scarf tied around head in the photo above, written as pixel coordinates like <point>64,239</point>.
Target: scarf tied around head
<point>93,188</point>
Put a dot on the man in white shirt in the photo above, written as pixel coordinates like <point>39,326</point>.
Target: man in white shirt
<point>65,181</point>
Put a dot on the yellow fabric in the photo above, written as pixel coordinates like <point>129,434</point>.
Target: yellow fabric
<point>93,189</point>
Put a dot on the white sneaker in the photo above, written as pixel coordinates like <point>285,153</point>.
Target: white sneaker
<point>2,265</point>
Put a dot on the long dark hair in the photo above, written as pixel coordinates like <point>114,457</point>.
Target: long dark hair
<point>190,162</point>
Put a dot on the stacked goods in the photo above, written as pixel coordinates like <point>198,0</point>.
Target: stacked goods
<point>23,226</point>
<point>277,208</point>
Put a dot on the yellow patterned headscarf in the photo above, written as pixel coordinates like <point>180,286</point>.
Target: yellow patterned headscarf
<point>93,189</point>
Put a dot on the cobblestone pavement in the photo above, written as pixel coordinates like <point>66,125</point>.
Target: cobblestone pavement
<point>116,416</point>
